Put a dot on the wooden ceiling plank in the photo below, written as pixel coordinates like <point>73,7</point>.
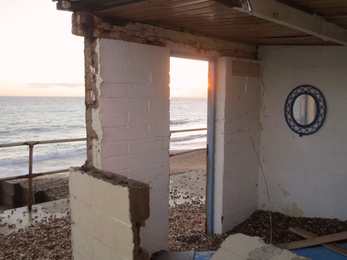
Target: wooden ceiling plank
<point>154,12</point>
<point>279,13</point>
<point>157,5</point>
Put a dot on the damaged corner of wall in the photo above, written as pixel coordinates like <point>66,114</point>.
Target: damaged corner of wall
<point>107,212</point>
<point>139,213</point>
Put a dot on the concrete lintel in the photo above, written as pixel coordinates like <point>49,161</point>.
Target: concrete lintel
<point>88,25</point>
<point>279,13</point>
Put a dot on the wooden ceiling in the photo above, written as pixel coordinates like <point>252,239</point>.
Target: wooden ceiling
<point>261,22</point>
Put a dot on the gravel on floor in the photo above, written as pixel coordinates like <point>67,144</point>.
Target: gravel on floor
<point>50,239</point>
<point>258,224</point>
<point>187,229</point>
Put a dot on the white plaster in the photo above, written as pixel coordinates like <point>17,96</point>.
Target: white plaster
<point>101,224</point>
<point>96,142</point>
<point>136,81</point>
<point>236,165</point>
<point>306,175</point>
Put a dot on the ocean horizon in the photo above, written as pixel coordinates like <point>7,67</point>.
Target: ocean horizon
<point>51,118</point>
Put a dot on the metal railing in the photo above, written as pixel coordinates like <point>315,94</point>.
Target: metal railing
<point>183,131</point>
<point>31,145</point>
<point>32,175</point>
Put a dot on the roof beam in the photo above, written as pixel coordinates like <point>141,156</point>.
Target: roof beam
<point>87,25</point>
<point>78,5</point>
<point>279,13</point>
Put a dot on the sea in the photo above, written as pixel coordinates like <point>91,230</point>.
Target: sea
<point>24,119</point>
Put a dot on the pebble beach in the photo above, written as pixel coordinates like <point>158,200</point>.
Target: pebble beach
<point>50,237</point>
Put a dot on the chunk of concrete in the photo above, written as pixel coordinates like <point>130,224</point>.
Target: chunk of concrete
<point>264,252</point>
<point>243,247</point>
<point>239,245</point>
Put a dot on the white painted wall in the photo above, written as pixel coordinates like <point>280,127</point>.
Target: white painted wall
<point>134,116</point>
<point>236,166</point>
<point>103,227</point>
<point>307,176</point>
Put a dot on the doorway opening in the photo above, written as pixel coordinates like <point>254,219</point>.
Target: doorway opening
<point>189,80</point>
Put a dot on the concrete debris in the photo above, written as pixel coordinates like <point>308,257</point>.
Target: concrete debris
<point>243,247</point>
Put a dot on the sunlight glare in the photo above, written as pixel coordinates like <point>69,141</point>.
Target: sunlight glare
<point>188,78</point>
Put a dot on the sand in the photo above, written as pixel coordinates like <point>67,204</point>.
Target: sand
<point>187,162</point>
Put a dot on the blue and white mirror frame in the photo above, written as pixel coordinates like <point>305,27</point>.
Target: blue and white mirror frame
<point>304,117</point>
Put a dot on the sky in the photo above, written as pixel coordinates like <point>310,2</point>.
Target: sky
<point>39,56</point>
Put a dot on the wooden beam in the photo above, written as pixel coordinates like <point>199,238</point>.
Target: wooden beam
<point>332,246</point>
<point>87,25</point>
<point>279,13</point>
<point>315,241</point>
<point>230,3</point>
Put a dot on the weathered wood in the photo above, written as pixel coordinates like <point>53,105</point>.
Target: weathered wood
<point>332,246</point>
<point>290,17</point>
<point>87,25</point>
<point>316,241</point>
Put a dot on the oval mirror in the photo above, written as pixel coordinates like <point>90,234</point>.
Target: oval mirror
<point>304,109</point>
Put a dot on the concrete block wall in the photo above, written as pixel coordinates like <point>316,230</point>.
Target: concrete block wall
<point>307,175</point>
<point>107,211</point>
<point>236,166</point>
<point>132,124</point>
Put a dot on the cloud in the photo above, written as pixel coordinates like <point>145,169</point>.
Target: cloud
<point>52,85</point>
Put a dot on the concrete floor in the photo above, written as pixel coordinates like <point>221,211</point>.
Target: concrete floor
<point>13,219</point>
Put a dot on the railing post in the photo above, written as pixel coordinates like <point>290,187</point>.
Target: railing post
<point>30,178</point>
<point>31,147</point>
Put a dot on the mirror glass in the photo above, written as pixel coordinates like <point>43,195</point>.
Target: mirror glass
<point>304,109</point>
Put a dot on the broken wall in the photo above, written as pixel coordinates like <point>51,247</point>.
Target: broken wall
<point>236,165</point>
<point>306,175</point>
<point>107,211</point>
<point>128,121</point>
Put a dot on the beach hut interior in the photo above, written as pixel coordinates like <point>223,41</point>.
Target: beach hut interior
<point>276,116</point>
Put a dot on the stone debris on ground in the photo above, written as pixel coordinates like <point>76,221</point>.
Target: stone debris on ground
<point>187,187</point>
<point>258,224</point>
<point>187,229</point>
<point>243,247</point>
<point>50,238</point>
